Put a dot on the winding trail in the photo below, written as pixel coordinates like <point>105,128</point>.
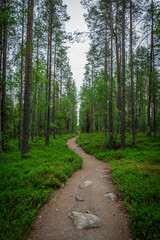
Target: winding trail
<point>53,223</point>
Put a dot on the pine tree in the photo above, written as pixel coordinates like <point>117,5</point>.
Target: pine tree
<point>28,72</point>
<point>123,77</point>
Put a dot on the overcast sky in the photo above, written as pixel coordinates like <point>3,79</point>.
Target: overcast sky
<point>77,51</point>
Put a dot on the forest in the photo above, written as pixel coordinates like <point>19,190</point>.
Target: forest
<point>117,110</point>
<point>123,66</point>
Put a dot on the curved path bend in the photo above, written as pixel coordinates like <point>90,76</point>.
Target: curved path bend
<point>53,223</point>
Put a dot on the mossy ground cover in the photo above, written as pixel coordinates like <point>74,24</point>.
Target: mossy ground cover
<point>136,172</point>
<point>26,182</point>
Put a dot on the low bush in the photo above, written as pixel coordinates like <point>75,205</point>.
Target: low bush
<point>136,172</point>
<point>26,182</point>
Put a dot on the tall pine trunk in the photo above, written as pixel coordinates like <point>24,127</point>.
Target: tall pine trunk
<point>1,50</point>
<point>111,84</point>
<point>49,87</point>
<point>61,80</point>
<point>106,80</point>
<point>3,115</point>
<point>92,105</point>
<point>132,82</point>
<point>149,130</point>
<point>154,103</point>
<point>28,73</point>
<point>46,83</point>
<point>123,78</point>
<point>54,86</point>
<point>118,72</point>
<point>21,83</point>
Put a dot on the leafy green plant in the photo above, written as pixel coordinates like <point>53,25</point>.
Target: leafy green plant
<point>26,182</point>
<point>136,172</point>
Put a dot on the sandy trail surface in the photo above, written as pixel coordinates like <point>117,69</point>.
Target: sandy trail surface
<point>53,223</point>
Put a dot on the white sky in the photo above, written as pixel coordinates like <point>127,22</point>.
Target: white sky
<point>77,51</point>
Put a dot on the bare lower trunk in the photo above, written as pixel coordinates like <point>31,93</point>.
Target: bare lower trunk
<point>111,85</point>
<point>123,78</point>
<point>150,80</point>
<point>21,84</point>
<point>61,74</point>
<point>3,114</point>
<point>28,72</point>
<point>132,82</point>
<point>46,83</point>
<point>118,74</point>
<point>154,104</point>
<point>106,79</point>
<point>54,86</point>
<point>1,49</point>
<point>49,90</point>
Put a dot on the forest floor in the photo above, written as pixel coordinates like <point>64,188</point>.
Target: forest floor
<point>53,222</point>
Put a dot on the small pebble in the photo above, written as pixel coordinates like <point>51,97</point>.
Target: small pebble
<point>78,198</point>
<point>88,212</point>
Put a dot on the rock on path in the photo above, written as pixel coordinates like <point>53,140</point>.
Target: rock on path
<point>85,220</point>
<point>111,196</point>
<point>85,184</point>
<point>52,223</point>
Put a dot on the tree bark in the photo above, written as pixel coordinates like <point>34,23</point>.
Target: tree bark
<point>28,73</point>
<point>46,83</point>
<point>118,72</point>
<point>21,83</point>
<point>123,78</point>
<point>132,82</point>
<point>61,78</point>
<point>92,105</point>
<point>49,90</point>
<point>154,102</point>
<point>111,84</point>
<point>1,51</point>
<point>3,115</point>
<point>106,80</point>
<point>150,79</point>
<point>54,86</point>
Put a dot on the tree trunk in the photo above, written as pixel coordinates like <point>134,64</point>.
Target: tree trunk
<point>123,78</point>
<point>132,82</point>
<point>154,102</point>
<point>61,77</point>
<point>54,86</point>
<point>106,79</point>
<point>92,105</point>
<point>150,79</point>
<point>28,73</point>
<point>1,50</point>
<point>86,116</point>
<point>111,85</point>
<point>36,99</point>
<point>46,83</point>
<point>118,73</point>
<point>49,90</point>
<point>21,83</point>
<point>3,115</point>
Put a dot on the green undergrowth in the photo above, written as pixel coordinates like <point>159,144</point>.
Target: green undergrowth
<point>136,172</point>
<point>26,182</point>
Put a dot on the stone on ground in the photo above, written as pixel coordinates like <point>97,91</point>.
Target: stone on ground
<point>78,198</point>
<point>85,184</point>
<point>85,220</point>
<point>111,196</point>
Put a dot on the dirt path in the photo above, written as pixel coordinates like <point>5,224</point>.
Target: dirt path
<point>53,223</point>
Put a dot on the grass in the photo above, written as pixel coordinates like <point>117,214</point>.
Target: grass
<point>136,172</point>
<point>27,182</point>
